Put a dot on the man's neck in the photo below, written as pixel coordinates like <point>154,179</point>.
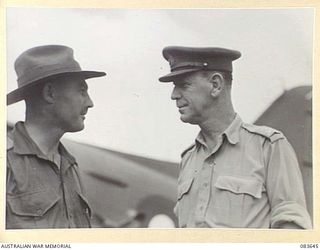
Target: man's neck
<point>45,136</point>
<point>214,126</point>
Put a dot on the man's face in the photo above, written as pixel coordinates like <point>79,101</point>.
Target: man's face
<point>72,103</point>
<point>192,96</point>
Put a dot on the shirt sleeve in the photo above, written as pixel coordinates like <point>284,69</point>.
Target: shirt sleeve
<point>285,187</point>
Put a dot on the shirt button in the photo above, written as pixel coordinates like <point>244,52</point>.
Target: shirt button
<point>205,184</point>
<point>39,211</point>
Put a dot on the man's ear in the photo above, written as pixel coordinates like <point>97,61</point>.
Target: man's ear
<point>216,80</point>
<point>48,92</point>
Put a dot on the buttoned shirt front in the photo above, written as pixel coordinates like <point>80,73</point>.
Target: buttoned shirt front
<point>251,179</point>
<point>39,193</point>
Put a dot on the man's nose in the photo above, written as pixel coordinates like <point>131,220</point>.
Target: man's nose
<point>89,102</point>
<point>175,93</point>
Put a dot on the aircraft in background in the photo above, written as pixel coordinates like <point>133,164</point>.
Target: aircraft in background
<point>131,191</point>
<point>126,190</point>
<point>291,113</point>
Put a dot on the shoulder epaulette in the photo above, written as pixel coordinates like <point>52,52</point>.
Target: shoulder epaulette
<point>187,149</point>
<point>9,141</point>
<point>268,132</point>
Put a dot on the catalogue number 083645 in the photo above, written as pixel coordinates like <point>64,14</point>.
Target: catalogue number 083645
<point>309,246</point>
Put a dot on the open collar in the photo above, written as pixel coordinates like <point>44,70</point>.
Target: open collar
<point>232,132</point>
<point>24,145</point>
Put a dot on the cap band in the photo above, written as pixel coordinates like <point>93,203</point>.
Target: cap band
<point>223,65</point>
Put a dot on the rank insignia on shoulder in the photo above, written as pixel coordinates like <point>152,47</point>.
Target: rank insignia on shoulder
<point>268,132</point>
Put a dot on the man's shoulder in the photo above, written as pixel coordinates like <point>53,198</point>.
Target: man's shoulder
<point>12,131</point>
<point>269,133</point>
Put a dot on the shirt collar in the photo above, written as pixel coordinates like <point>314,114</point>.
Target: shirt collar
<point>24,145</point>
<point>232,132</point>
<point>22,142</point>
<point>200,139</point>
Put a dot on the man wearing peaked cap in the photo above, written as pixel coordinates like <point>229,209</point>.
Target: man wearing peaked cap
<point>185,60</point>
<point>235,175</point>
<point>44,187</point>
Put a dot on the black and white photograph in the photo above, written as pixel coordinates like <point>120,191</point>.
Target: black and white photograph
<point>159,118</point>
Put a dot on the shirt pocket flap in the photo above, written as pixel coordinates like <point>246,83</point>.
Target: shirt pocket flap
<point>86,203</point>
<point>184,187</point>
<point>240,185</point>
<point>33,204</point>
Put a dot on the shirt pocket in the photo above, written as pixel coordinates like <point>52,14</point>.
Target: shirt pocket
<point>240,185</point>
<point>183,205</point>
<point>184,188</point>
<point>28,210</point>
<point>235,197</point>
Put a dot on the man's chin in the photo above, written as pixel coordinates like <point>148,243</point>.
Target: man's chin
<point>187,119</point>
<point>76,128</point>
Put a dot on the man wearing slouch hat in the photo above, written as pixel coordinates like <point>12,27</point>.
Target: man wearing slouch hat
<point>44,187</point>
<point>234,175</point>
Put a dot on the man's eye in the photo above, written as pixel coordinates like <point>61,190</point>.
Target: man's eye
<point>185,85</point>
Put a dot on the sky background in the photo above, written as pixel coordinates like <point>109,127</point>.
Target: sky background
<point>133,112</point>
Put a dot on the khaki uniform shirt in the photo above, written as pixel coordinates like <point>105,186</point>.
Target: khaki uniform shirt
<point>251,179</point>
<point>39,194</point>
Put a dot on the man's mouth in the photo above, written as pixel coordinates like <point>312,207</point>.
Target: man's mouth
<point>83,116</point>
<point>182,108</point>
<point>181,105</point>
